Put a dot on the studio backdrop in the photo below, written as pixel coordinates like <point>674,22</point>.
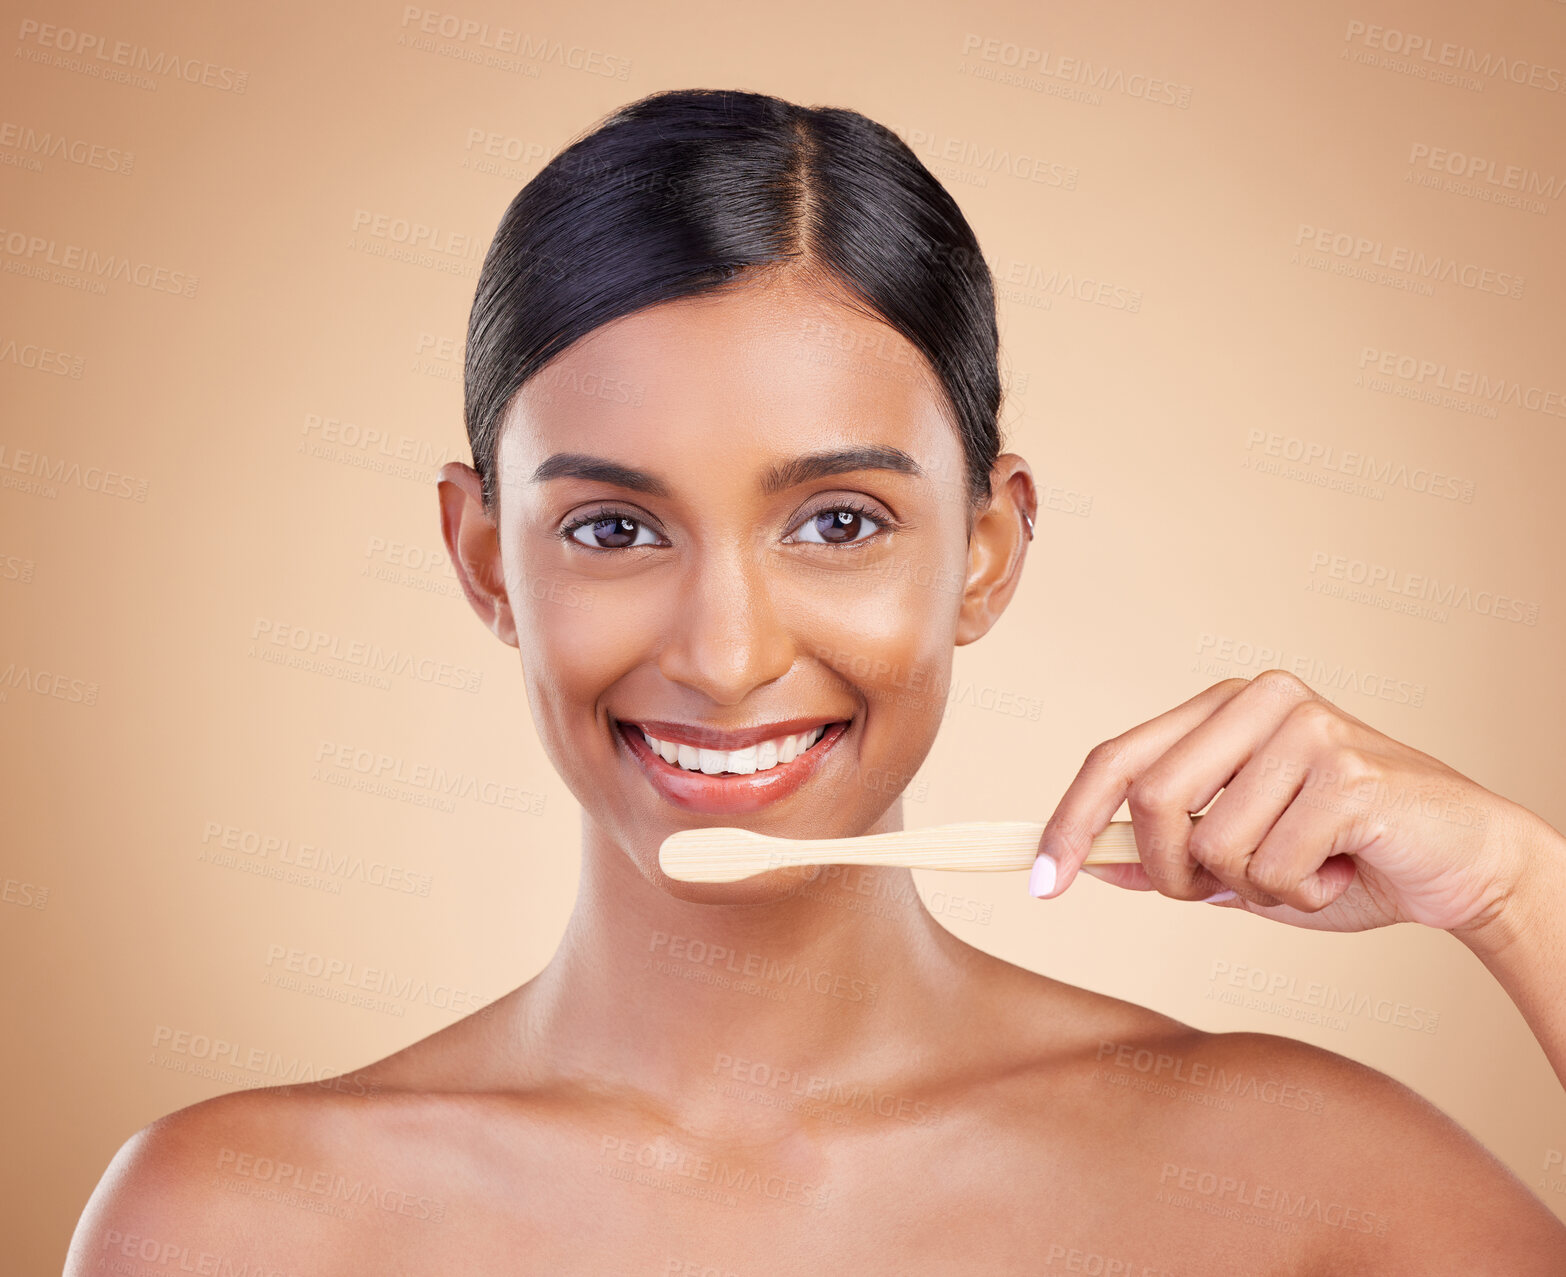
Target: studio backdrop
<point>1281,300</point>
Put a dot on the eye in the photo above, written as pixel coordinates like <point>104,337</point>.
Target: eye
<point>844,524</point>
<point>609,530</point>
<point>840,524</point>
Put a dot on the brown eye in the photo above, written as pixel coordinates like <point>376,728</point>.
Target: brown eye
<point>840,525</point>
<point>836,526</point>
<point>612,532</point>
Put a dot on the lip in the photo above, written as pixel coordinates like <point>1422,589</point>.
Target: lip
<point>727,795</point>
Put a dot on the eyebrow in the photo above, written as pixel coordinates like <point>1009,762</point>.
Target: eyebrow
<point>776,478</point>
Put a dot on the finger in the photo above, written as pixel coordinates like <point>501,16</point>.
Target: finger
<point>1190,774</point>
<point>1129,877</point>
<point>1100,785</point>
<point>1301,859</point>
<point>1189,860</point>
<point>1134,878</point>
<point>1187,775</point>
<point>1261,792</point>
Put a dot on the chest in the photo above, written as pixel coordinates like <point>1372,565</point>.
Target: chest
<point>616,1197</point>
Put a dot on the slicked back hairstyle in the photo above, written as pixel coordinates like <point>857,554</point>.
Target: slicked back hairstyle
<point>685,191</point>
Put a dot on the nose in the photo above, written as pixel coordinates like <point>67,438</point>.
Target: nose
<point>726,637</point>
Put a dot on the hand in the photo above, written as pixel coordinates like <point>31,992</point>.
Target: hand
<point>1323,822</point>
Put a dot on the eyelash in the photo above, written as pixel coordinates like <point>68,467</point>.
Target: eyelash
<point>884,522</point>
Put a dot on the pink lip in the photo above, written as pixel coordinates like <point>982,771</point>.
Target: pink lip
<point>727,795</point>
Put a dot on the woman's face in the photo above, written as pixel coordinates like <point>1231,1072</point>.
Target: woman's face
<point>742,510</point>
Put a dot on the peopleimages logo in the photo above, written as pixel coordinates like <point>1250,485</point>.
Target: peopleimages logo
<point>20,467</point>
<point>1434,375</point>
<point>985,158</point>
<point>335,1186</point>
<point>41,358</point>
<point>1222,654</point>
<point>1193,1186</point>
<point>224,843</point>
<point>43,683</point>
<point>1389,581</point>
<point>344,974</point>
<point>1310,453</point>
<point>1361,250</point>
<point>1033,63</point>
<point>793,974</point>
<point>1478,168</point>
<point>184,1051</point>
<point>416,234</point>
<point>419,21</point>
<point>32,254</point>
<point>89,50</point>
<point>1425,55</point>
<point>36,146</point>
<point>372,771</point>
<point>301,646</point>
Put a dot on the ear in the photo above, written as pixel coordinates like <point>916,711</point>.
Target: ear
<point>473,542</point>
<point>997,546</point>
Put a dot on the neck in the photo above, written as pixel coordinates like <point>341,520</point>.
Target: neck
<point>648,992</point>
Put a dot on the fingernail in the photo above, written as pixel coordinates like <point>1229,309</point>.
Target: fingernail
<point>1217,896</point>
<point>1042,880</point>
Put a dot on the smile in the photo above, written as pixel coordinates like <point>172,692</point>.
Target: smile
<point>701,770</point>
<point>760,757</point>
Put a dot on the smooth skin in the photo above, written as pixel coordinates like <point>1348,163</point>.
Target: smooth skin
<point>804,1072</point>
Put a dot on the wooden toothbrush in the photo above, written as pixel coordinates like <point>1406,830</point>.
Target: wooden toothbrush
<point>726,854</point>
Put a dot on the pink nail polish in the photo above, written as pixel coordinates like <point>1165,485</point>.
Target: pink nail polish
<point>1042,880</point>
<point>1217,896</point>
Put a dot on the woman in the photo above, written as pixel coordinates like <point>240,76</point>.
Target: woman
<point>737,494</point>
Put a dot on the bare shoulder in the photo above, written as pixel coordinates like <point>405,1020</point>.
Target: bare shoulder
<point>304,1175</point>
<point>1286,1156</point>
<point>310,1177</point>
<point>1369,1174</point>
<point>178,1189</point>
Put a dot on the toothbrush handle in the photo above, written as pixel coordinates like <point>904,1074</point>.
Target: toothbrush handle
<point>966,845</point>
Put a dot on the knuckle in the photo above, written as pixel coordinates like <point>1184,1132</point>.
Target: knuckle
<point>1310,897</point>
<point>1106,755</point>
<point>1164,876</point>
<point>1275,879</point>
<point>1353,768</point>
<point>1156,847</point>
<point>1071,834</point>
<point>1281,683</point>
<point>1205,845</point>
<point>1148,793</point>
<point>1314,716</point>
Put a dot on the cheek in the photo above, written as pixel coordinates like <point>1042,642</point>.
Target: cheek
<point>893,645</point>
<point>574,640</point>
<point>571,626</point>
<point>890,635</point>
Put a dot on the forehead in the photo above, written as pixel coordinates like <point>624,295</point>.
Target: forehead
<point>748,374</point>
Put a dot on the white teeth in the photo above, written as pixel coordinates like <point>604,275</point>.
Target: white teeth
<point>753,758</point>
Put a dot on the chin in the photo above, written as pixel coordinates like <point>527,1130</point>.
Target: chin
<point>759,889</point>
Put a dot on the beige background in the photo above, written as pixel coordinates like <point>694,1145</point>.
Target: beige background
<point>1173,550</point>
